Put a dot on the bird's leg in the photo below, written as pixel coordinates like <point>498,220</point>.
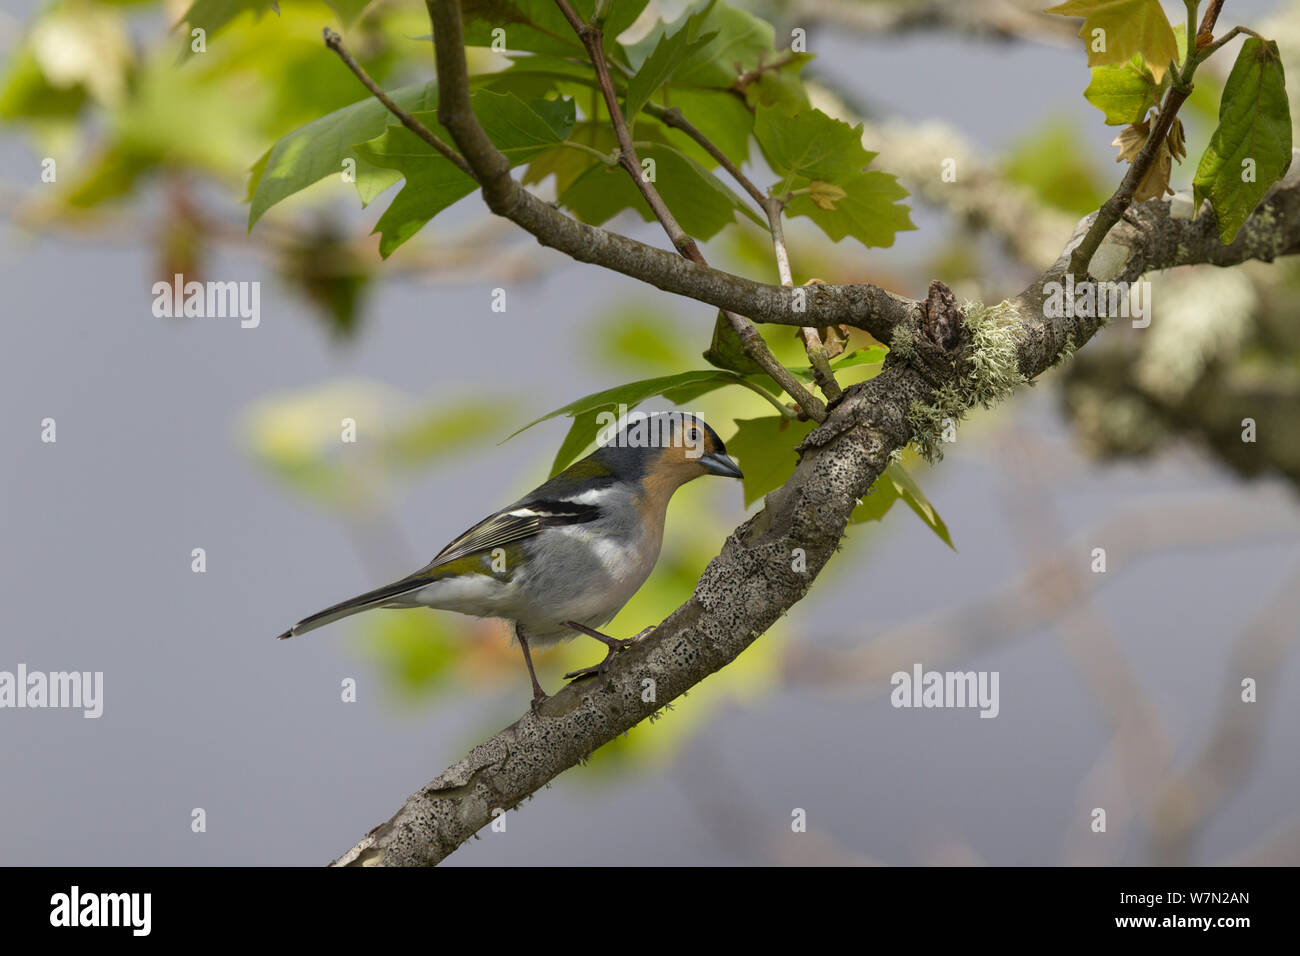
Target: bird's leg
<point>539,695</point>
<point>614,644</point>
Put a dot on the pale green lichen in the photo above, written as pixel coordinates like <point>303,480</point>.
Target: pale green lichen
<point>1068,350</point>
<point>991,373</point>
<point>901,344</point>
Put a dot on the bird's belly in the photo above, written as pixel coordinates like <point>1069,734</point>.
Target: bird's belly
<point>589,585</point>
<point>479,594</point>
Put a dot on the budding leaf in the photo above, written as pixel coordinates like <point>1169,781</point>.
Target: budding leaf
<point>869,211</point>
<point>1251,149</point>
<point>824,195</point>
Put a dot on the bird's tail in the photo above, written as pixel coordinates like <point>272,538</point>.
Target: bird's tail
<point>379,597</point>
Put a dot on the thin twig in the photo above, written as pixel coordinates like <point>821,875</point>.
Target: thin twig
<point>755,347</point>
<point>592,38</point>
<point>772,208</point>
<point>1230,35</point>
<point>1113,209</point>
<point>749,76</point>
<point>812,342</point>
<point>672,116</point>
<point>335,43</point>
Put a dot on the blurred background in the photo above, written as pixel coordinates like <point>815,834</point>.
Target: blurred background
<point>1118,690</point>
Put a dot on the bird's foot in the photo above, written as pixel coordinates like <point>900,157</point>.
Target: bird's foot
<point>615,646</point>
<point>594,670</point>
<point>539,697</point>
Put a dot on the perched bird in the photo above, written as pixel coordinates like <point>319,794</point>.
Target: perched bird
<point>568,555</point>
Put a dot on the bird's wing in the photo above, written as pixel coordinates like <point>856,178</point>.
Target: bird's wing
<point>513,524</point>
<point>519,521</point>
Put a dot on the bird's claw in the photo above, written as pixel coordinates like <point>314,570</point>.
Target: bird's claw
<point>601,669</point>
<point>595,670</point>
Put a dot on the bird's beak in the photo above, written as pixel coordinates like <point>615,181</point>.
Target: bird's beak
<point>719,464</point>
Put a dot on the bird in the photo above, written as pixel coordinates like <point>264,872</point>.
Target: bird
<point>566,557</point>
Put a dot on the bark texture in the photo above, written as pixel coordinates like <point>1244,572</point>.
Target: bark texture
<point>752,581</point>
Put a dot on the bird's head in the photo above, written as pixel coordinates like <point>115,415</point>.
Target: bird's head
<point>666,450</point>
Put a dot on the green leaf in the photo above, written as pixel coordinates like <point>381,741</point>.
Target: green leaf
<point>585,412</point>
<point>1124,92</point>
<point>539,26</point>
<point>764,447</point>
<point>348,10</point>
<point>25,93</point>
<point>312,152</point>
<point>727,352</point>
<point>1126,27</point>
<point>720,116</point>
<point>432,182</point>
<point>868,212</point>
<point>740,41</point>
<point>1253,138</point>
<point>211,16</point>
<point>322,265</point>
<point>702,204</point>
<point>893,484</point>
<point>671,51</point>
<point>565,163</point>
<point>810,144</point>
<point>417,653</point>
<point>1049,162</point>
<point>520,130</point>
<point>638,337</point>
<point>443,430</point>
<point>811,147</point>
<point>781,86</point>
<point>875,355</point>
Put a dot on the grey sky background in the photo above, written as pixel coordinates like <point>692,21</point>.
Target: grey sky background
<point>203,709</point>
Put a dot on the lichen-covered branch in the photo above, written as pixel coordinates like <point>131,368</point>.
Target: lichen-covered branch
<point>942,359</point>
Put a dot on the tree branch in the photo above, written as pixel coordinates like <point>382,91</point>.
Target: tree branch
<point>861,306</point>
<point>935,355</point>
<point>751,583</point>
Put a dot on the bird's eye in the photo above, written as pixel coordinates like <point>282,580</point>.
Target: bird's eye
<point>692,435</point>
